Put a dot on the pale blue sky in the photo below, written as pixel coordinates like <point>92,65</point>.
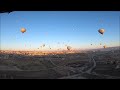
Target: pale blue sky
<point>75,28</point>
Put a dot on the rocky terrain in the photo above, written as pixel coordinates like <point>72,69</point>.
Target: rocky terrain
<point>99,64</point>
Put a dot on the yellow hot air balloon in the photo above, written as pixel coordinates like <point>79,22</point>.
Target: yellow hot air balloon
<point>23,30</point>
<point>101,31</point>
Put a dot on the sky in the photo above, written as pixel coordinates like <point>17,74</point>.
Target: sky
<point>58,29</point>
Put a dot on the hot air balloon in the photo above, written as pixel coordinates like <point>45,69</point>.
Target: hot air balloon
<point>69,47</point>
<point>43,45</point>
<point>49,47</point>
<point>101,31</point>
<point>104,46</point>
<point>23,30</point>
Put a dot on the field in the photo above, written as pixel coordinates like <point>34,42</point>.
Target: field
<point>99,64</point>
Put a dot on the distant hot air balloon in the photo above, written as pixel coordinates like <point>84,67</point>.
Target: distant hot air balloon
<point>104,46</point>
<point>43,45</point>
<point>101,31</point>
<point>69,47</point>
<point>49,47</point>
<point>23,30</point>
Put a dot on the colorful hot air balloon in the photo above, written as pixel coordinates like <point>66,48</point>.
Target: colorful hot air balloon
<point>101,31</point>
<point>23,30</point>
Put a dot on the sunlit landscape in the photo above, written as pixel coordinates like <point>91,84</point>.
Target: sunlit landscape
<point>60,45</point>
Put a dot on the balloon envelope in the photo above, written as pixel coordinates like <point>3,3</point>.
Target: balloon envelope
<point>23,30</point>
<point>104,46</point>
<point>43,45</point>
<point>69,47</point>
<point>101,31</point>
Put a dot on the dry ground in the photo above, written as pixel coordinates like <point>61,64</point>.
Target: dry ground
<point>38,65</point>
